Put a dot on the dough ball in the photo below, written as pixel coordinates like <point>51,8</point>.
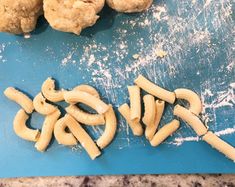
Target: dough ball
<point>19,16</point>
<point>72,15</point>
<point>129,6</point>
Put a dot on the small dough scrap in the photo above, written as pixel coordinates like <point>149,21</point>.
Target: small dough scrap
<point>129,6</point>
<point>19,16</point>
<point>72,15</point>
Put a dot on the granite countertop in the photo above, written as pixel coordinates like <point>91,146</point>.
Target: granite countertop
<point>127,181</point>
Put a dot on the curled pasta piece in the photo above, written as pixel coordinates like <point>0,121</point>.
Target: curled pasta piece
<point>191,119</point>
<point>151,129</point>
<point>23,100</point>
<point>88,89</point>
<point>63,137</point>
<point>150,109</point>
<point>135,126</point>
<point>49,92</point>
<point>47,131</point>
<point>135,103</point>
<point>220,145</point>
<point>87,99</point>
<point>155,90</point>
<point>193,99</point>
<point>84,117</point>
<point>165,132</point>
<point>82,136</point>
<point>110,129</point>
<point>21,128</point>
<point>42,107</point>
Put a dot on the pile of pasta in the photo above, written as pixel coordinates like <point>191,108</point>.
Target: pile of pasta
<point>43,103</point>
<point>154,111</point>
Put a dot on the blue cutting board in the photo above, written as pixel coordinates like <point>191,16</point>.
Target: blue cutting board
<point>198,37</point>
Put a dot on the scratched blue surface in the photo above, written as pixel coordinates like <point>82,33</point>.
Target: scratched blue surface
<point>198,37</point>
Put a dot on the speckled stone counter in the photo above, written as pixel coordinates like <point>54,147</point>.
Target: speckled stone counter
<point>127,181</point>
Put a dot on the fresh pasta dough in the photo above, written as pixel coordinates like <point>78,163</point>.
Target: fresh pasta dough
<point>165,132</point>
<point>135,103</point>
<point>193,99</point>
<point>74,97</point>
<point>19,16</point>
<point>49,92</point>
<point>135,126</point>
<point>129,6</point>
<point>220,145</point>
<point>81,135</point>
<point>20,98</point>
<point>84,117</point>
<point>41,106</point>
<point>150,110</point>
<point>110,129</point>
<point>47,131</point>
<point>155,90</point>
<point>191,119</point>
<point>88,89</point>
<point>63,137</point>
<point>21,128</point>
<point>151,129</point>
<point>72,15</point>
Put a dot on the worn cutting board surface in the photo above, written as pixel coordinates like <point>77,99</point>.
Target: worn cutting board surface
<point>198,36</point>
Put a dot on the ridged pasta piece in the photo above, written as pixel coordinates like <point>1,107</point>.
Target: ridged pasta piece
<point>193,99</point>
<point>84,117</point>
<point>165,132</point>
<point>191,119</point>
<point>135,126</point>
<point>20,98</point>
<point>150,109</point>
<point>151,129</point>
<point>220,145</point>
<point>21,129</point>
<point>47,131</point>
<point>73,97</point>
<point>110,129</point>
<point>49,92</point>
<point>63,137</point>
<point>88,89</point>
<point>81,135</point>
<point>41,106</point>
<point>155,90</point>
<point>135,103</point>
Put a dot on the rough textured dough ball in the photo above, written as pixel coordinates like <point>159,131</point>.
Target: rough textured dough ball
<point>129,6</point>
<point>19,16</point>
<point>72,15</point>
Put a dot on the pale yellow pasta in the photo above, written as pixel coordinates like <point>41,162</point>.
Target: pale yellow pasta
<point>220,145</point>
<point>151,129</point>
<point>41,106</point>
<point>135,103</point>
<point>63,137</point>
<point>191,119</point>
<point>110,129</point>
<point>135,126</point>
<point>150,109</point>
<point>155,90</point>
<point>193,99</point>
<point>21,128</point>
<point>84,117</point>
<point>47,131</point>
<point>165,132</point>
<point>20,98</point>
<point>49,92</point>
<point>82,136</point>
<point>88,89</point>
<point>73,97</point>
